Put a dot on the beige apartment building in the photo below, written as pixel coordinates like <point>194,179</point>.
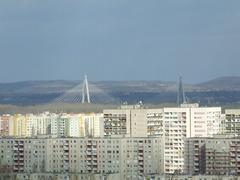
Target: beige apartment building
<point>133,121</point>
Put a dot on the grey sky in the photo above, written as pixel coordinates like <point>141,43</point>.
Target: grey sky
<point>119,39</point>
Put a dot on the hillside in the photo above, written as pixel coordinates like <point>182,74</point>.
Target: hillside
<point>223,90</point>
<point>229,83</point>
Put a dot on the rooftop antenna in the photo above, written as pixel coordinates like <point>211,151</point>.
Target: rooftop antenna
<point>85,91</point>
<point>181,98</point>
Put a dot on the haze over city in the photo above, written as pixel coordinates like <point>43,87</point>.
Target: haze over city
<point>119,40</point>
<point>119,90</point>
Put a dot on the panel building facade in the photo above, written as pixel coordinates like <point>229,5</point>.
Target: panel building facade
<point>232,121</point>
<point>131,158</point>
<point>174,124</point>
<point>212,156</point>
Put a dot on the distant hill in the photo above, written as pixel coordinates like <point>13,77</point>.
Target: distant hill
<point>223,90</point>
<point>61,86</point>
<point>37,86</point>
<point>231,83</point>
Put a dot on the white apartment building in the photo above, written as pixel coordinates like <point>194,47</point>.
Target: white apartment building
<point>31,125</point>
<point>94,124</point>
<point>73,126</point>
<point>176,128</point>
<point>38,124</point>
<point>59,125</point>
<point>205,121</point>
<point>183,122</point>
<point>44,122</point>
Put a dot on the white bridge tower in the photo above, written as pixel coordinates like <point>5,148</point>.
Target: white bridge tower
<point>85,91</point>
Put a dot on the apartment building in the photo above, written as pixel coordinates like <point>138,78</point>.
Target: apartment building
<point>118,122</point>
<point>176,128</point>
<point>186,121</point>
<point>212,156</point>
<point>195,177</point>
<point>76,176</point>
<point>57,176</point>
<point>133,121</point>
<point>232,121</point>
<point>194,164</point>
<point>205,121</point>
<point>68,125</point>
<point>173,124</point>
<point>155,120</point>
<point>44,122</point>
<point>73,126</point>
<point>22,155</point>
<point>94,125</point>
<point>84,125</point>
<point>31,125</point>
<point>19,125</point>
<point>5,125</point>
<point>131,158</point>
<point>38,124</point>
<point>28,125</point>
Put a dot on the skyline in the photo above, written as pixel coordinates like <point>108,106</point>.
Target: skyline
<point>119,40</point>
<point>129,80</point>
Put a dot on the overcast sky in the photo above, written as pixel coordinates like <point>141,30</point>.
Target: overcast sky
<point>119,39</point>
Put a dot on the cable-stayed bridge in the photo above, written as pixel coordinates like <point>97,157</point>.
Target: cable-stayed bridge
<point>86,92</point>
<point>91,93</point>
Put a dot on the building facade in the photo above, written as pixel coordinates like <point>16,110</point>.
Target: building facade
<point>173,124</point>
<point>133,121</point>
<point>212,156</point>
<point>232,121</point>
<point>5,125</point>
<point>62,125</point>
<point>131,158</point>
